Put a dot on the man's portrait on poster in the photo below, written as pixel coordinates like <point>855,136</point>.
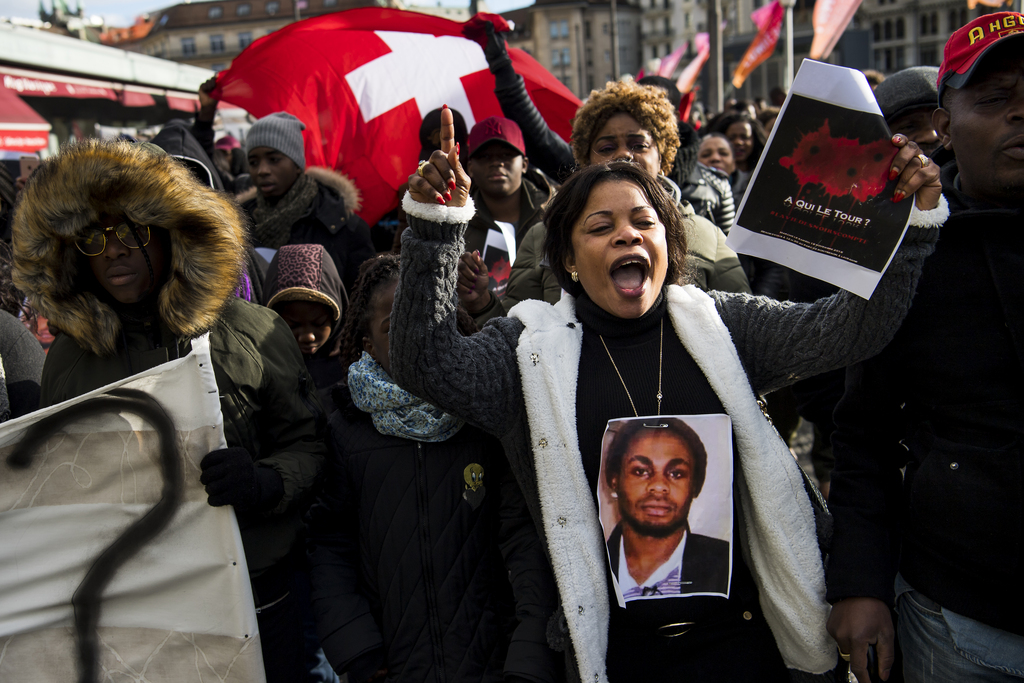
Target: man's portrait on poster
<point>665,499</point>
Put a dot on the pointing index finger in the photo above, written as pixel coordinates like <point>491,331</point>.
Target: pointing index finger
<point>447,130</point>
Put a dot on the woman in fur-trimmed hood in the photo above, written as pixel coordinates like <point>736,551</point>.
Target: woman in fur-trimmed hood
<point>131,259</point>
<point>293,204</point>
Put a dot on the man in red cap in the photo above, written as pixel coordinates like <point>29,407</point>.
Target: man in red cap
<point>943,541</point>
<point>510,199</point>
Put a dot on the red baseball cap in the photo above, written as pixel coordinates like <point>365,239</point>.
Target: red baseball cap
<point>968,45</point>
<point>496,128</point>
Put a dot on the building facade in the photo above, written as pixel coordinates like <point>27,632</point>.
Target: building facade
<point>211,34</point>
<point>573,40</point>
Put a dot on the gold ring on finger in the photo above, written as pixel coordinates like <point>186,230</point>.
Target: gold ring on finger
<point>925,160</point>
<point>845,656</point>
<point>419,169</point>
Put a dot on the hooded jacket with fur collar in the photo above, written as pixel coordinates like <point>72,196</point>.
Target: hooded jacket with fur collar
<point>330,221</point>
<point>70,192</point>
<point>269,402</point>
<point>517,379</point>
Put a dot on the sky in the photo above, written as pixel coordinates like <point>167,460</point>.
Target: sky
<point>123,12</point>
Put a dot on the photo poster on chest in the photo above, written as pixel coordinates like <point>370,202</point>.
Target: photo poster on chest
<point>499,255</point>
<point>664,498</point>
<point>820,200</point>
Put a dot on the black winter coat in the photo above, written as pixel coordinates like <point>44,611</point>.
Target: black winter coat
<point>406,558</point>
<point>943,399</point>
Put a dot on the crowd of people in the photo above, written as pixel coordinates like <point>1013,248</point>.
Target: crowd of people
<point>528,442</point>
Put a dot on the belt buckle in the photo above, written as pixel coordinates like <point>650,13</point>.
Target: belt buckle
<point>675,630</point>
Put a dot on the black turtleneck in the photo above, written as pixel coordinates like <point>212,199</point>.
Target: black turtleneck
<point>634,652</point>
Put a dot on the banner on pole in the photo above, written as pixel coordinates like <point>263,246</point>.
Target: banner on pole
<point>687,79</point>
<point>830,20</point>
<point>768,20</point>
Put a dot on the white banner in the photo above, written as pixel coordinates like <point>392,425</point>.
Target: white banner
<point>180,608</point>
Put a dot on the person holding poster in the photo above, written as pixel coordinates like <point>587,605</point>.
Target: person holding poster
<point>131,258</point>
<point>631,341</point>
<point>927,488</point>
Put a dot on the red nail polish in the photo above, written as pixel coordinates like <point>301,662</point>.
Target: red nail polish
<point>451,184</point>
<point>440,199</point>
<point>898,197</point>
<point>896,139</point>
<point>893,172</point>
<point>457,149</point>
<point>447,196</point>
<point>444,106</point>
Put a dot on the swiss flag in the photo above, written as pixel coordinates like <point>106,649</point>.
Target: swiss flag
<point>362,80</point>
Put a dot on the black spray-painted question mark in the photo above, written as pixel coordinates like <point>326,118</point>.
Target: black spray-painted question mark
<point>86,599</point>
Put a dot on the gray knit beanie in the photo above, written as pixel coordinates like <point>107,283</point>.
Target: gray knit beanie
<point>280,131</point>
<point>907,90</point>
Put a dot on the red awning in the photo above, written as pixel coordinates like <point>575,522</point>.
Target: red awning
<point>183,103</point>
<point>47,85</point>
<point>131,98</point>
<point>21,128</point>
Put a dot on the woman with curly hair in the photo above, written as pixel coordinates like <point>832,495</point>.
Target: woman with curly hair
<point>622,121</point>
<point>406,539</point>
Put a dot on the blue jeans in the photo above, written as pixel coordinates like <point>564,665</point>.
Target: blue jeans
<point>940,646</point>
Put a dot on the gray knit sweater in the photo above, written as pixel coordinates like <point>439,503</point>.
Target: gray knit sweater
<point>478,377</point>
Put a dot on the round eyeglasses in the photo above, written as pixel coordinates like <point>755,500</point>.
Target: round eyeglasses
<point>95,241</point>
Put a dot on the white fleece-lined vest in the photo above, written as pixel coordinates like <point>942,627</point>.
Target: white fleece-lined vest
<point>775,515</point>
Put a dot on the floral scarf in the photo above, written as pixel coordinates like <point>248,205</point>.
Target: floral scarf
<point>395,411</point>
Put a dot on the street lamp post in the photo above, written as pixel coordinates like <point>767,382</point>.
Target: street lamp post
<point>788,4</point>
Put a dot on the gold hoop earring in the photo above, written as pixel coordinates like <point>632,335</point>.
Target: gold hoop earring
<point>575,276</point>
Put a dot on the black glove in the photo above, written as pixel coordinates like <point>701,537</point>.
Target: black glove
<point>232,478</point>
<point>495,51</point>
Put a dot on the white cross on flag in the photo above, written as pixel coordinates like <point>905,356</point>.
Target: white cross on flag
<point>362,81</point>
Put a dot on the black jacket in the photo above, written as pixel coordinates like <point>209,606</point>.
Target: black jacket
<point>406,558</point>
<point>331,221</point>
<point>705,562</point>
<point>943,399</point>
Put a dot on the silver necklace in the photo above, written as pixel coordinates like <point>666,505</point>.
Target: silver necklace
<point>661,347</point>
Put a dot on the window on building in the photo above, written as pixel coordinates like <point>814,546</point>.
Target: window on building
<point>586,30</point>
<point>924,25</point>
<point>590,57</point>
<point>929,56</point>
<point>219,66</point>
<point>243,10</point>
<point>888,60</point>
<point>273,7</point>
<point>567,81</point>
<point>188,46</point>
<point>590,82</point>
<point>668,26</point>
<point>563,28</point>
<point>686,20</point>
<point>215,12</point>
<point>888,28</point>
<point>607,56</point>
<point>556,58</point>
<point>934,22</point>
<point>654,51</point>
<point>901,60</point>
<point>566,61</point>
<point>901,28</point>
<point>963,16</point>
<point>216,43</point>
<point>604,29</point>
<point>554,29</point>
<point>244,39</point>
<point>876,31</point>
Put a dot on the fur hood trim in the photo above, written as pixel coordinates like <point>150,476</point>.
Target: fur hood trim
<point>338,182</point>
<point>69,193</point>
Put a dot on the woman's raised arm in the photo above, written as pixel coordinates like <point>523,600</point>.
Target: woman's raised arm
<point>474,377</point>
